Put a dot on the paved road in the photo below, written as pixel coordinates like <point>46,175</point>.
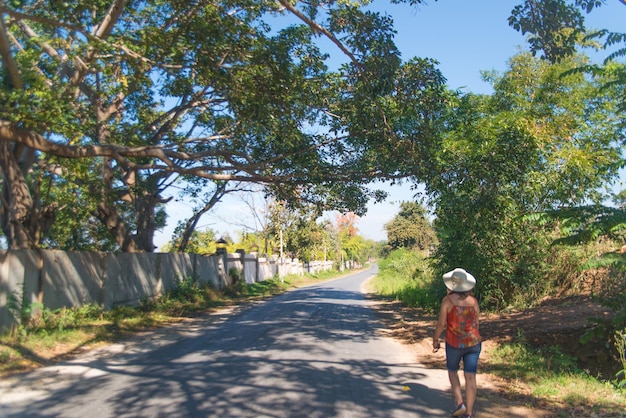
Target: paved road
<point>311,352</point>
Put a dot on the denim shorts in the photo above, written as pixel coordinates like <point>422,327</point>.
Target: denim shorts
<point>468,354</point>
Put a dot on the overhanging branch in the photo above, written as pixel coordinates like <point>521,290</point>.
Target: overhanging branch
<point>173,161</point>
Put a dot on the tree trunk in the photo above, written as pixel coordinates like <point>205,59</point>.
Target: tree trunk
<point>192,222</point>
<point>116,227</point>
<point>17,202</point>
<point>145,210</point>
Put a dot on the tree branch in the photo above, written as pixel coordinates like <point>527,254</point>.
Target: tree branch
<point>171,159</point>
<point>5,51</point>
<point>318,28</point>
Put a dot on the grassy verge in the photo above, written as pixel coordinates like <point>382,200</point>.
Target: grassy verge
<point>58,334</point>
<point>553,377</point>
<point>405,276</point>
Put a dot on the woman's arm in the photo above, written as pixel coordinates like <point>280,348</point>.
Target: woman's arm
<point>441,322</point>
<point>477,308</point>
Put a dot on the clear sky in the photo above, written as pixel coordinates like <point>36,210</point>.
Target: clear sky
<point>466,37</point>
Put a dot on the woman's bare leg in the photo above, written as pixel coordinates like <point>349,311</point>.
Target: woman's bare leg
<point>470,392</point>
<point>456,387</point>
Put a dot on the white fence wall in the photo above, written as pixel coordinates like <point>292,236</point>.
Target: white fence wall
<point>57,279</point>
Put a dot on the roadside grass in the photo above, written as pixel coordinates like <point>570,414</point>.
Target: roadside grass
<point>405,276</point>
<point>552,376</point>
<point>311,278</point>
<point>55,335</point>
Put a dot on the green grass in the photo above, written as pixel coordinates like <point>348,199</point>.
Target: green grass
<point>405,276</point>
<point>553,376</point>
<point>294,280</point>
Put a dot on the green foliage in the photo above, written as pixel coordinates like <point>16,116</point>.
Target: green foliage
<point>14,305</point>
<point>552,25</point>
<point>410,228</point>
<point>75,226</point>
<point>611,294</point>
<point>5,355</point>
<point>357,248</point>
<point>64,318</point>
<point>224,92</point>
<point>306,238</point>
<point>266,288</point>
<point>405,275</point>
<point>21,310</point>
<point>296,227</point>
<point>238,289</point>
<point>186,290</point>
<point>556,28</point>
<point>590,225</point>
<point>532,364</point>
<point>200,242</point>
<point>593,224</point>
<point>297,280</point>
<point>542,140</point>
<point>235,274</point>
<point>582,224</point>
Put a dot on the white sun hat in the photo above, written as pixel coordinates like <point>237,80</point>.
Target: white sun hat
<point>458,280</point>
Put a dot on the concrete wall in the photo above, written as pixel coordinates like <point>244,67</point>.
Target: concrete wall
<point>58,279</point>
<point>60,287</point>
<point>18,282</point>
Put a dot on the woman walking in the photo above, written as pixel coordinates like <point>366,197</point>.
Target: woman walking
<point>459,317</point>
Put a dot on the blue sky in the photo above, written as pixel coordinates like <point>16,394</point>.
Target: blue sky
<point>466,37</point>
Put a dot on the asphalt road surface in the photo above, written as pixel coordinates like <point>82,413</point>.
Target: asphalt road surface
<point>311,352</point>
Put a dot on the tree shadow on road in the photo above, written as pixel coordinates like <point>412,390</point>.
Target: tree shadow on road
<point>314,352</point>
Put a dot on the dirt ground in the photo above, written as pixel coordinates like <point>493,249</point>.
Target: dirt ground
<point>555,322</point>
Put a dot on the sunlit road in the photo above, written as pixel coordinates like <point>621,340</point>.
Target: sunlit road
<point>311,352</point>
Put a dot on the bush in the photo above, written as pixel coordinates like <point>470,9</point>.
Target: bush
<point>406,275</point>
<point>187,290</point>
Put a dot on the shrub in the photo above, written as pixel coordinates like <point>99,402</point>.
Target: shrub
<point>406,275</point>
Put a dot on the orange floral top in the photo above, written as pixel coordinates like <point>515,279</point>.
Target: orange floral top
<point>462,327</point>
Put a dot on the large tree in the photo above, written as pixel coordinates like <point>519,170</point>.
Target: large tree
<point>556,29</point>
<point>410,228</point>
<point>144,92</point>
<point>542,141</point>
